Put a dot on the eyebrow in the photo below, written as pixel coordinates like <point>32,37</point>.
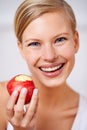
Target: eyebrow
<point>31,39</point>
<point>35,39</point>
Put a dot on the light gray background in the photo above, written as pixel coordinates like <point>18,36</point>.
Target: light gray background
<point>11,63</point>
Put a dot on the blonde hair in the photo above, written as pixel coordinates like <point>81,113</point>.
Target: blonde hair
<point>32,9</point>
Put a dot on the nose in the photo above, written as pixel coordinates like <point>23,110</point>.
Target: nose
<point>49,53</point>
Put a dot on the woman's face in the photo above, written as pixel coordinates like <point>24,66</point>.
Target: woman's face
<point>49,46</point>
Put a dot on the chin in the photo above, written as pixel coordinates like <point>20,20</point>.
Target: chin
<point>53,83</point>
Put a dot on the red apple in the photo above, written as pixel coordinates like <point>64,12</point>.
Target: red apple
<point>21,81</point>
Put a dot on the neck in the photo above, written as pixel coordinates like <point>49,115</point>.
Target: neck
<point>57,96</point>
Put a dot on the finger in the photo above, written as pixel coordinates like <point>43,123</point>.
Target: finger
<point>19,108</point>
<point>32,107</point>
<point>11,103</point>
<point>22,96</point>
<point>33,121</point>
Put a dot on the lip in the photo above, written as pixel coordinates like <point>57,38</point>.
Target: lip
<point>52,71</point>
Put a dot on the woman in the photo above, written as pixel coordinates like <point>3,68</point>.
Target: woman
<point>48,41</point>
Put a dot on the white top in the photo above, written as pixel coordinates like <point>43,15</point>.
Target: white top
<point>80,122</point>
<point>9,127</point>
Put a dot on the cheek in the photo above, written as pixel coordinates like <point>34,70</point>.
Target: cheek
<point>69,55</point>
<point>30,58</point>
<point>68,51</point>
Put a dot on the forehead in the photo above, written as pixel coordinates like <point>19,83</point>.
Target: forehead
<point>47,23</point>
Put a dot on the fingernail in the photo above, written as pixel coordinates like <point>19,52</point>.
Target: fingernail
<point>24,90</point>
<point>15,93</point>
<point>35,91</point>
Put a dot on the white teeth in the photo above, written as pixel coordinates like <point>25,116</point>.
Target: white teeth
<point>50,69</point>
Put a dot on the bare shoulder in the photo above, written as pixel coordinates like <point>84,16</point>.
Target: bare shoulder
<point>3,92</point>
<point>3,102</point>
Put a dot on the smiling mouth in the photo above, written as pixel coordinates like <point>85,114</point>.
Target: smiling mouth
<point>51,69</point>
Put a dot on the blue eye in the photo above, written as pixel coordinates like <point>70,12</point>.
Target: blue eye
<point>61,39</point>
<point>34,44</point>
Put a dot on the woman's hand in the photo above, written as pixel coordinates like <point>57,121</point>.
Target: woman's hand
<point>17,116</point>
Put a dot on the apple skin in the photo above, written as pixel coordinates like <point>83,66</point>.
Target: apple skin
<point>21,81</point>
